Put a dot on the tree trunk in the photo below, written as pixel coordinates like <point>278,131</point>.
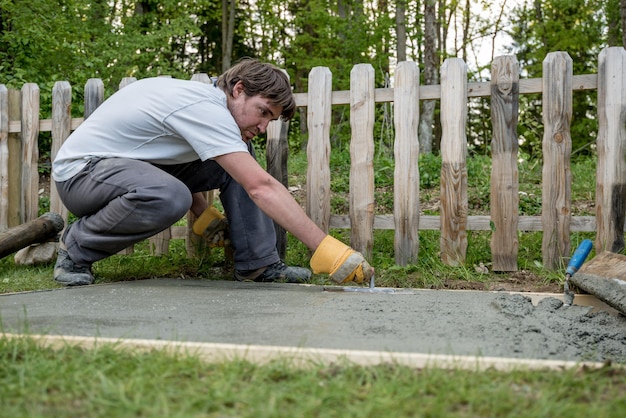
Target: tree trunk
<point>228,32</point>
<point>401,29</point>
<point>383,10</point>
<point>466,29</point>
<point>431,61</point>
<point>622,13</point>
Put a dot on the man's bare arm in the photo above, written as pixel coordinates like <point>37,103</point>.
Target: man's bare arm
<point>271,197</point>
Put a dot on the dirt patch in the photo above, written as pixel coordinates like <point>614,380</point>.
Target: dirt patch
<point>519,281</point>
<point>525,281</point>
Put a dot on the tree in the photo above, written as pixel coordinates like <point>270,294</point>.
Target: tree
<point>228,32</point>
<point>431,75</point>
<point>578,27</point>
<point>400,18</point>
<point>622,14</point>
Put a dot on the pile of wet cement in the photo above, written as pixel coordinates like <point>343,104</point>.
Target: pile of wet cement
<point>561,331</point>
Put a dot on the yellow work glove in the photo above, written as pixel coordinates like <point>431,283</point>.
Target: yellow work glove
<point>340,261</point>
<point>213,227</point>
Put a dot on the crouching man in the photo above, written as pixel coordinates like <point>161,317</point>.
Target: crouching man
<point>144,157</point>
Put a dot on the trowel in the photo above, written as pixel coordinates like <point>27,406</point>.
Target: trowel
<point>577,260</point>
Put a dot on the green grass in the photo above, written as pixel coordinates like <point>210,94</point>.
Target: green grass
<point>109,381</point>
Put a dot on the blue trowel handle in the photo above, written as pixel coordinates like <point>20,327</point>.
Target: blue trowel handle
<point>579,257</point>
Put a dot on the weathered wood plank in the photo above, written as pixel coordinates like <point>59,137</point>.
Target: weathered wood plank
<point>504,174</point>
<point>16,216</point>
<point>474,223</point>
<point>453,240</point>
<point>406,189</point>
<point>4,158</point>
<point>318,147</point>
<point>131,249</point>
<point>362,158</point>
<point>94,95</point>
<point>557,151</point>
<point>126,81</point>
<point>611,143</point>
<point>193,243</point>
<point>45,125</point>
<point>276,156</point>
<point>61,129</point>
<point>30,151</point>
<point>160,243</point>
<point>480,89</point>
<point>202,78</point>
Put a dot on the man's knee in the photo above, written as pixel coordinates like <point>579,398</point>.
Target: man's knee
<point>163,205</point>
<point>177,203</point>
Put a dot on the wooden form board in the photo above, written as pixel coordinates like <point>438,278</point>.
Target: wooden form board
<point>303,357</point>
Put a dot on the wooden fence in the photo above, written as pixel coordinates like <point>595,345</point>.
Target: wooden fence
<point>20,126</point>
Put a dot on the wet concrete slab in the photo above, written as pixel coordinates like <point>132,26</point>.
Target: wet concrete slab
<point>461,323</point>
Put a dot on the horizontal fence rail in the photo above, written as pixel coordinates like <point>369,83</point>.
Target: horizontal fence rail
<point>20,126</point>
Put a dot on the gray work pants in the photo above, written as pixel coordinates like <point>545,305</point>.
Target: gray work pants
<point>120,202</point>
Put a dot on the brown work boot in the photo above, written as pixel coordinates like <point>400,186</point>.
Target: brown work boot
<point>277,272</point>
<point>69,273</point>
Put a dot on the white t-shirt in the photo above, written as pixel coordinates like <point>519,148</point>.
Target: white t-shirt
<point>159,120</point>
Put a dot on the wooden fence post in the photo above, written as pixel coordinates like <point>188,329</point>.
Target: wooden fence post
<point>30,151</point>
<point>362,102</point>
<point>16,216</point>
<point>61,129</point>
<point>126,81</point>
<point>406,188</point>
<point>611,171</point>
<point>504,174</point>
<point>193,243</point>
<point>453,241</point>
<point>4,158</point>
<point>94,95</point>
<point>318,147</point>
<point>557,150</point>
<point>276,155</point>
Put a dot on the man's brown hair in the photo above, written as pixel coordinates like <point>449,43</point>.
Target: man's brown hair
<point>263,79</point>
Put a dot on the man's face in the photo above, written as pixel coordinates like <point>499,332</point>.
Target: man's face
<point>252,113</point>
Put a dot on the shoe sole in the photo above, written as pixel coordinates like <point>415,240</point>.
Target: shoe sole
<point>75,281</point>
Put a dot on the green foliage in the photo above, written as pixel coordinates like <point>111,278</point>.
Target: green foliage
<point>577,27</point>
<point>430,170</point>
<point>48,40</point>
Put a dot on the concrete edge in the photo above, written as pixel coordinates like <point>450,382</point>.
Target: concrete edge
<point>302,357</point>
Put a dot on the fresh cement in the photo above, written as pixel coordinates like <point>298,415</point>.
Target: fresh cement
<point>460,323</point>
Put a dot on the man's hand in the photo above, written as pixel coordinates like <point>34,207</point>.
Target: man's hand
<point>341,262</point>
<point>213,227</point>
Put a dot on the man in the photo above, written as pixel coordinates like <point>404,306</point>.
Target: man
<point>144,157</point>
